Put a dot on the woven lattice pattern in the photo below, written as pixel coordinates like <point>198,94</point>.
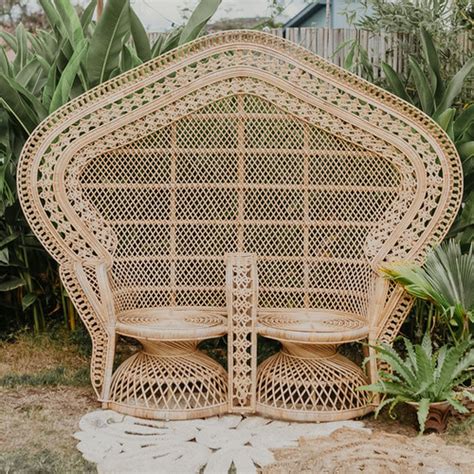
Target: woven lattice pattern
<point>169,379</point>
<point>311,383</point>
<point>239,142</point>
<point>323,197</point>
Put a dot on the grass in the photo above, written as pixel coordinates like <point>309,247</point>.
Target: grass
<point>45,390</point>
<point>54,377</point>
<point>461,432</point>
<point>27,354</point>
<point>44,461</point>
<point>36,428</point>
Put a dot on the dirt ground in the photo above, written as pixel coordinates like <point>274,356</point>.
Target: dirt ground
<point>44,392</point>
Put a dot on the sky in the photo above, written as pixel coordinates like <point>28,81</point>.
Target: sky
<point>158,15</point>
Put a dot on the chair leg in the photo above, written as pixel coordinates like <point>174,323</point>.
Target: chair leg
<point>107,353</point>
<point>241,281</point>
<point>309,382</point>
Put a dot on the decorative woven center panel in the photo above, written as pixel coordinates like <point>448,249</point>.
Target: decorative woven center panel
<point>241,175</point>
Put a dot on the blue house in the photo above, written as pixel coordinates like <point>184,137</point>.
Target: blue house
<point>314,14</point>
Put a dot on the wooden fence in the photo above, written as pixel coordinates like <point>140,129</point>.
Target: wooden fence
<point>334,45</point>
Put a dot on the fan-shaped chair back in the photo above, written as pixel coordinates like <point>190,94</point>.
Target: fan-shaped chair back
<point>240,142</point>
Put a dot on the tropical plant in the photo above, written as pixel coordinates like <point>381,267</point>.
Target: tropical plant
<point>436,97</point>
<point>447,23</point>
<point>48,69</point>
<point>432,93</point>
<point>444,20</point>
<point>447,280</point>
<point>424,376</point>
<point>406,16</point>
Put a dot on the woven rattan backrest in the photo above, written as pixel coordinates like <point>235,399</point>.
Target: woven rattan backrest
<point>242,175</point>
<point>240,142</point>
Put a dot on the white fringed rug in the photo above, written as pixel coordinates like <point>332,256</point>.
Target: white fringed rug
<point>119,443</point>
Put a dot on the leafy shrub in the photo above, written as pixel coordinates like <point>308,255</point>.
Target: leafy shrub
<point>424,376</point>
<point>447,280</point>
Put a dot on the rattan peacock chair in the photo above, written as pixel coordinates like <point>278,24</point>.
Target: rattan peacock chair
<point>164,192</point>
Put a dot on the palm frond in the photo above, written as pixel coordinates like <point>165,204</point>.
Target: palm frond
<point>446,279</point>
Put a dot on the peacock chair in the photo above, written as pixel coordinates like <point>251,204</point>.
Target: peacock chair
<point>238,185</point>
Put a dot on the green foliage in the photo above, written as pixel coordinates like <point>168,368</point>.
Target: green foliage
<point>107,42</point>
<point>50,68</point>
<point>54,377</point>
<point>438,79</point>
<point>447,280</point>
<point>405,16</point>
<point>424,376</point>
<point>444,20</point>
<point>436,97</point>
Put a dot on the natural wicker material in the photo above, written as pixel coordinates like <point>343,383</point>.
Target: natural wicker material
<point>239,142</point>
<point>242,301</point>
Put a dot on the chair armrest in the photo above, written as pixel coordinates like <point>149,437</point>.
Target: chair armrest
<point>94,282</point>
<point>88,288</point>
<point>377,304</point>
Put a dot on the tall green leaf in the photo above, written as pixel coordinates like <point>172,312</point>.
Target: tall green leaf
<point>4,63</point>
<point>432,60</point>
<point>16,105</point>
<point>44,44</point>
<point>395,82</point>
<point>454,87</point>
<point>21,58</point>
<point>466,151</point>
<point>129,59</point>
<point>445,121</point>
<point>29,72</point>
<point>423,88</point>
<point>166,42</point>
<point>464,121</point>
<point>70,21</point>
<point>51,83</point>
<point>63,89</point>
<point>87,15</point>
<point>200,16</point>
<point>140,37</point>
<point>40,111</point>
<point>110,34</point>
<point>9,39</point>
<point>53,18</point>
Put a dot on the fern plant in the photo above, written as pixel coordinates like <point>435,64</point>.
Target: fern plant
<point>424,376</point>
<point>447,280</point>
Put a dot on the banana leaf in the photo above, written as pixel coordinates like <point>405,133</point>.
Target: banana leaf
<point>110,35</point>
<point>200,16</point>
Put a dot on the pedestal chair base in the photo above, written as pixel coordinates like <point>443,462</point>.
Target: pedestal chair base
<point>170,381</point>
<point>307,382</point>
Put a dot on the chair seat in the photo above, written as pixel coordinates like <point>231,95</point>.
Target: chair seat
<point>166,324</point>
<point>312,326</point>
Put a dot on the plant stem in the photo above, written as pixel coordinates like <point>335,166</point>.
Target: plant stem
<point>64,305</point>
<point>29,284</point>
<point>72,316</point>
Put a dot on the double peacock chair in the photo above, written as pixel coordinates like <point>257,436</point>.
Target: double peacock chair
<point>237,186</point>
